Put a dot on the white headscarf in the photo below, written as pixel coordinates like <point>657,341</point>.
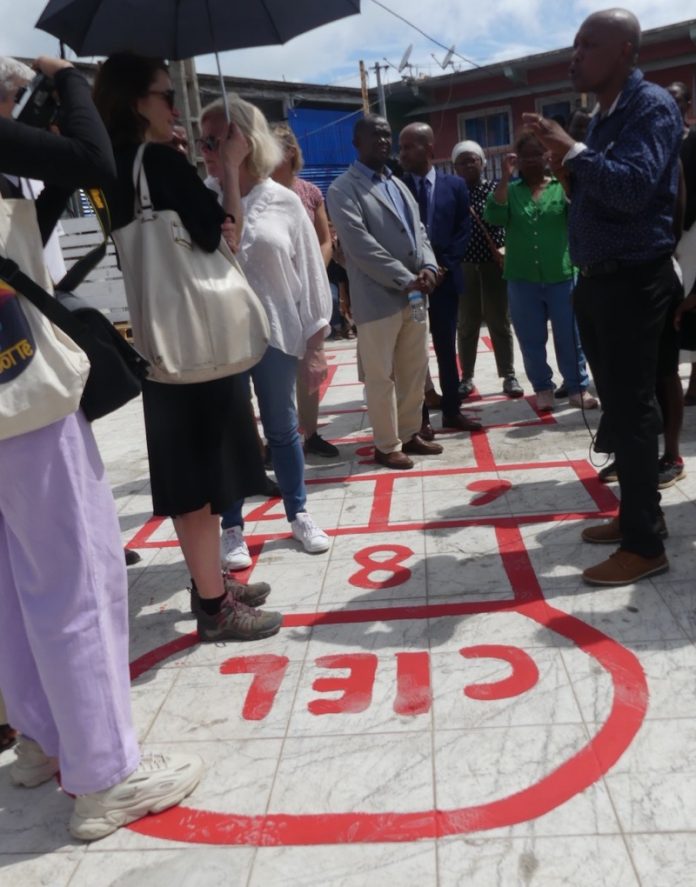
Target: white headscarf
<point>470,148</point>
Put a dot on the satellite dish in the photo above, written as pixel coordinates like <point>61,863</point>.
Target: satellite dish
<point>448,57</point>
<point>405,57</point>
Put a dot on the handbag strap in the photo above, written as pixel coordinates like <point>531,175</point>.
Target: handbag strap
<point>37,295</point>
<point>143,202</point>
<point>492,246</point>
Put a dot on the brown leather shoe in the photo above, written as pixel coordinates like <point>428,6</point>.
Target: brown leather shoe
<point>625,567</point>
<point>396,460</point>
<point>610,533</point>
<point>433,400</point>
<point>419,447</point>
<point>427,431</point>
<point>463,423</point>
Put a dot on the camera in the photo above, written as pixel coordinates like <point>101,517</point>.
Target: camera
<point>35,104</point>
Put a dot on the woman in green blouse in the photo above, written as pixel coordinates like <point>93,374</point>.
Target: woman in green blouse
<point>533,210</point>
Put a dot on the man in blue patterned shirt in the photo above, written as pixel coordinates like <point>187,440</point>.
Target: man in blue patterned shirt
<point>623,184</point>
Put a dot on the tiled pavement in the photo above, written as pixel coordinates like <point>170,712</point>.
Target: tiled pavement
<point>447,703</point>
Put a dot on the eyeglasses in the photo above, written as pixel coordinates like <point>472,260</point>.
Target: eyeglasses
<point>169,95</point>
<point>208,144</point>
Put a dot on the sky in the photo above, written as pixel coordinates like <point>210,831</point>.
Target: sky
<point>498,30</point>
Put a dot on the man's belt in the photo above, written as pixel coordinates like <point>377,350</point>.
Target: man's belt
<point>612,266</point>
<point>600,269</point>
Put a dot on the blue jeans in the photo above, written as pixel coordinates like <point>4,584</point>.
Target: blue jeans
<point>532,305</point>
<point>274,383</point>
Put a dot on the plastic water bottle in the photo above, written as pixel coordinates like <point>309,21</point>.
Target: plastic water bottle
<point>417,303</point>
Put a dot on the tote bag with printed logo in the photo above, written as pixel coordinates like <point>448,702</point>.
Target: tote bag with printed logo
<point>42,371</point>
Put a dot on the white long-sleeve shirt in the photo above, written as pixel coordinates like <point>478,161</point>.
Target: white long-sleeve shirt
<point>280,255</point>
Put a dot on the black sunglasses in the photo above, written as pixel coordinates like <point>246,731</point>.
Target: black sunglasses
<point>208,144</point>
<point>169,95</point>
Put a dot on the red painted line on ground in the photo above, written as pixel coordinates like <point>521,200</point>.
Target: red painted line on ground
<point>483,454</point>
<point>381,502</point>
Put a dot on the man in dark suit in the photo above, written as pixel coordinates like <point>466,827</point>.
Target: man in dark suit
<point>443,201</point>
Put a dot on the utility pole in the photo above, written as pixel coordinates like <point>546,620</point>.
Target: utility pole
<point>380,90</point>
<point>363,89</point>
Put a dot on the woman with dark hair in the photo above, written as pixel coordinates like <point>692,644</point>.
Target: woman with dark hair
<point>202,446</point>
<point>63,588</point>
<point>533,211</point>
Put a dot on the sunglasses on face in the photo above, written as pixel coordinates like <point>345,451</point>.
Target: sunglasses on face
<point>169,95</point>
<point>208,144</point>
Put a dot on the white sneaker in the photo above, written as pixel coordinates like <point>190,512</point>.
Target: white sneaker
<point>32,766</point>
<point>544,400</point>
<point>160,782</point>
<point>234,553</point>
<point>309,534</point>
<point>584,400</point>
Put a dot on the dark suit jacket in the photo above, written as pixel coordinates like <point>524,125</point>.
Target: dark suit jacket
<point>450,229</point>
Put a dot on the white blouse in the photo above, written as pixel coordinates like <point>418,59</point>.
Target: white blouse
<point>280,255</point>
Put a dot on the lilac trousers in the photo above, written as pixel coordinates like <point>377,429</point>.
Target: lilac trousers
<point>63,605</point>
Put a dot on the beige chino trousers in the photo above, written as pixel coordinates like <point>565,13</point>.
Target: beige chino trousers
<point>393,352</point>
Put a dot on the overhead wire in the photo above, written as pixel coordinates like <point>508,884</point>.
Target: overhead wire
<point>423,34</point>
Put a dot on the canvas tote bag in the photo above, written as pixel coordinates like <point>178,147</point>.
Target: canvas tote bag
<point>193,314</point>
<point>42,371</point>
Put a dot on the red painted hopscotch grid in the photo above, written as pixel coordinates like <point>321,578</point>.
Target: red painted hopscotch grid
<point>575,775</point>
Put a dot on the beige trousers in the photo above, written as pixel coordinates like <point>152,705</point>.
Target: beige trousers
<point>393,352</point>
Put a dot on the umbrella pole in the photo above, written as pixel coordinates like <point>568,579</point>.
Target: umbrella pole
<point>223,91</point>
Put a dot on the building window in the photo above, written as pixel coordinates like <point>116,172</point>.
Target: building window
<point>561,107</point>
<point>489,128</point>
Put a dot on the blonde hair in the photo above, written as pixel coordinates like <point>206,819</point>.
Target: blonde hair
<point>288,139</point>
<point>265,152</point>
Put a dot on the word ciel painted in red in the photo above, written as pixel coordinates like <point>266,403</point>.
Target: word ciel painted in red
<point>413,680</point>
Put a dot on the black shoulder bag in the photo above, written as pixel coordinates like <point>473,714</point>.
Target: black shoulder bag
<point>117,370</point>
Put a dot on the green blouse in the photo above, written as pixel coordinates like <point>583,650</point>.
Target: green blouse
<point>536,233</point>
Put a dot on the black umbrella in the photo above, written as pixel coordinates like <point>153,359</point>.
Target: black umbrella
<point>181,29</point>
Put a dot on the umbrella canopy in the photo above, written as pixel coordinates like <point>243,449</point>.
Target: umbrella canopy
<point>181,29</point>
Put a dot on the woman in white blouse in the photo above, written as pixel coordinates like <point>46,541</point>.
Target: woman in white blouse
<point>280,255</point>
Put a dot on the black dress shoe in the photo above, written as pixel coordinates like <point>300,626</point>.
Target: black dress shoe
<point>317,446</point>
<point>396,460</point>
<point>462,423</point>
<point>419,447</point>
<point>511,387</point>
<point>427,432</point>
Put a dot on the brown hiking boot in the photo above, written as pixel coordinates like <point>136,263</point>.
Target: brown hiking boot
<point>624,568</point>
<point>609,533</point>
<point>237,622</point>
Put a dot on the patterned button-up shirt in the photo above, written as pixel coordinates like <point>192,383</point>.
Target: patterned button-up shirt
<point>624,184</point>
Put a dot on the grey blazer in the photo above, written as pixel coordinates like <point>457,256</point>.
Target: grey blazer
<point>380,258</point>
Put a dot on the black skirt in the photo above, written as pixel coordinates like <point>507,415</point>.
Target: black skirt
<point>202,445</point>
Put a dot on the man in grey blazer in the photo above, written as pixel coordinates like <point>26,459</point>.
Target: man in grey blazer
<point>387,256</point>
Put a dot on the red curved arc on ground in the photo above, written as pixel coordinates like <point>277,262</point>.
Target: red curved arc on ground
<point>572,777</point>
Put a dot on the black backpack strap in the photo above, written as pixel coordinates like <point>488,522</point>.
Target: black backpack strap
<point>37,295</point>
<point>89,262</point>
